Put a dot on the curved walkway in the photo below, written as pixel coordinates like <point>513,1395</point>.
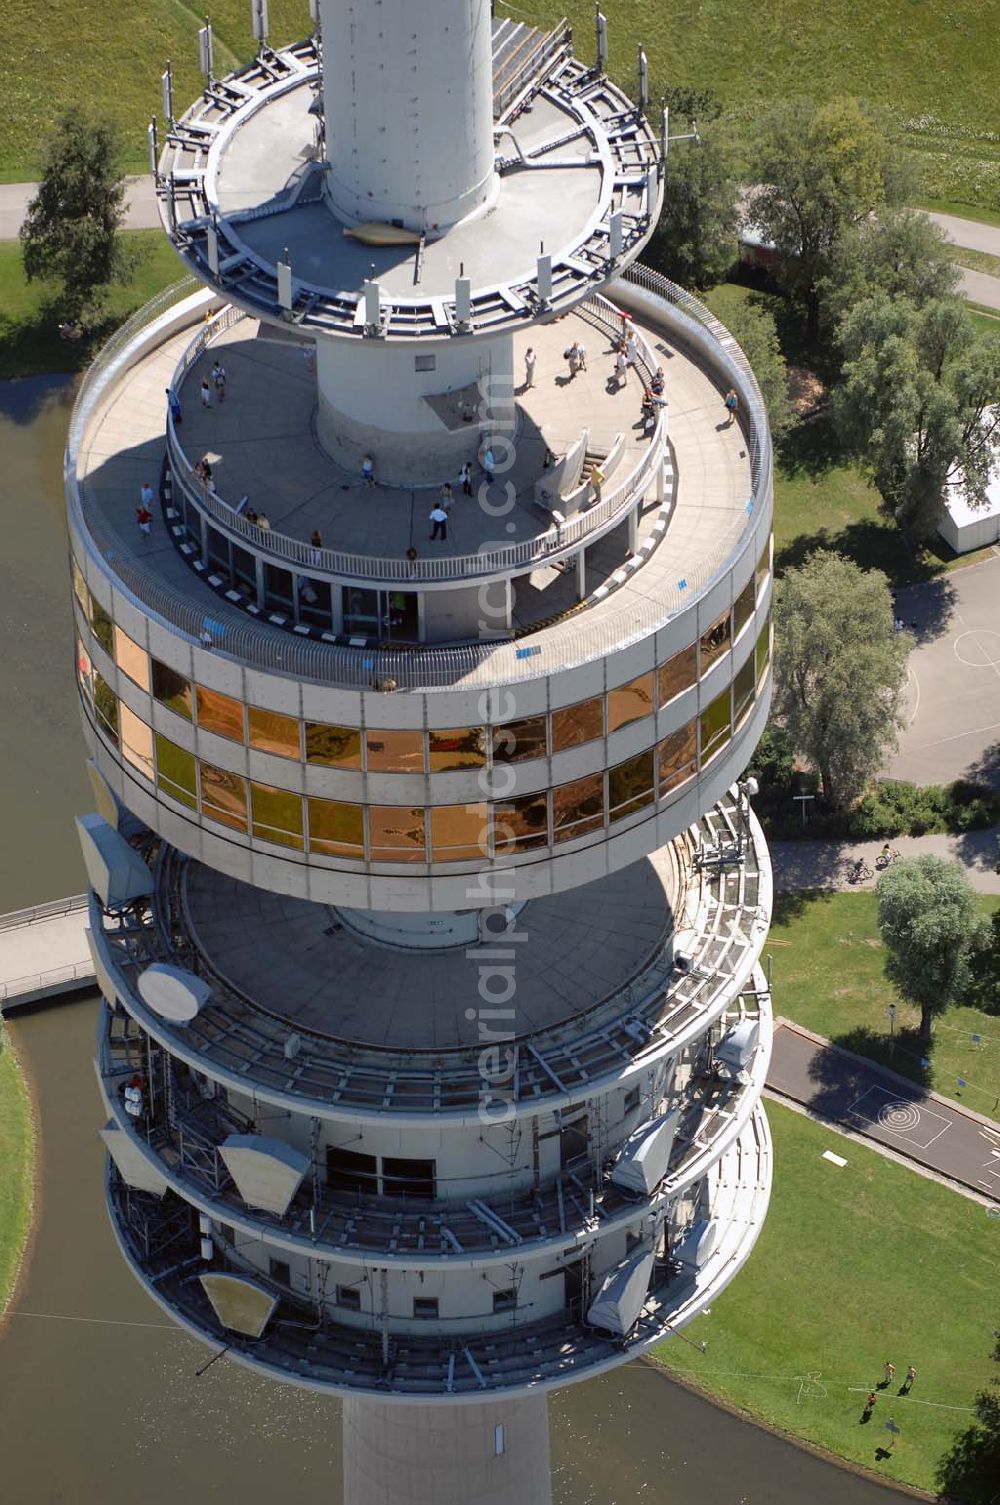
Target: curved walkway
<point>827,864</point>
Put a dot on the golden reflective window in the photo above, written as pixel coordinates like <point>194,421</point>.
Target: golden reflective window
<point>84,668</point>
<point>270,731</point>
<point>677,756</point>
<point>743,689</point>
<point>336,829</point>
<point>716,726</point>
<point>394,752</point>
<point>578,807</point>
<point>220,714</point>
<point>518,741</point>
<point>175,771</point>
<point>459,832</point>
<point>137,740</point>
<point>131,659</point>
<point>520,823</point>
<point>630,702</point>
<point>630,785</point>
<point>763,651</point>
<point>106,707</point>
<point>277,815</point>
<point>80,587</point>
<point>677,674</point>
<point>396,833</point>
<point>577,723</point>
<point>333,746</point>
<point>764,563</point>
<point>101,625</point>
<point>172,690</point>
<point>743,610</point>
<point>224,796</point>
<point>715,642</point>
<point>456,747</point>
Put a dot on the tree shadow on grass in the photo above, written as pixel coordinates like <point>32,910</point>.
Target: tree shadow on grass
<point>792,904</point>
<point>970,1470</point>
<point>872,544</point>
<point>810,447</point>
<point>839,1081</point>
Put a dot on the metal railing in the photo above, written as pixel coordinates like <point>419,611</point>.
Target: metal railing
<point>48,911</point>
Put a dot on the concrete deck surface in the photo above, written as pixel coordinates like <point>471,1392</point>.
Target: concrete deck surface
<point>43,956</point>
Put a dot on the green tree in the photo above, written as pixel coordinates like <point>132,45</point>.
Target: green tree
<point>695,238</point>
<point>970,1470</point>
<point>821,170</point>
<point>900,253</point>
<point>71,233</point>
<point>918,402</point>
<point>840,671</point>
<point>931,928</point>
<point>754,327</point>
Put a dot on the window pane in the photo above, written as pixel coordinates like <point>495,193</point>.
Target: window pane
<point>350,1171</point>
<point>678,756</point>
<point>578,807</point>
<point>521,823</point>
<point>220,713</point>
<point>715,642</point>
<point>336,829</point>
<point>333,746</point>
<point>175,771</point>
<point>80,587</point>
<point>172,689</point>
<point>408,1178</point>
<point>395,752</point>
<point>272,732</point>
<point>397,833</point>
<point>764,564</point>
<point>517,741</point>
<point>715,726</point>
<point>131,659</point>
<point>277,815</point>
<point>137,740</point>
<point>577,723</point>
<point>630,785</point>
<point>743,686</point>
<point>224,796</point>
<point>106,707</point>
<point>459,831</point>
<point>630,702</point>
<point>678,673</point>
<point>84,668</point>
<point>763,649</point>
<point>460,747</point>
<point>743,610</point>
<point>102,626</point>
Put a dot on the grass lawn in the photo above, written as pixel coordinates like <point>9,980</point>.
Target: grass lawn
<point>829,976</point>
<point>963,211</point>
<point>854,1266</point>
<point>16,1144</point>
<point>29,312</point>
<point>976,261</point>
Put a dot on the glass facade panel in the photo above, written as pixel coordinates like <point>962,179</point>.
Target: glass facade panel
<point>80,587</point>
<point>106,707</point>
<point>716,726</point>
<point>743,690</point>
<point>764,564</point>
<point>678,756</point>
<point>578,807</point>
<point>84,668</point>
<point>102,626</point>
<point>176,771</point>
<point>763,649</point>
<point>395,752</point>
<point>459,832</point>
<point>131,659</point>
<point>396,833</point>
<point>224,796</point>
<point>630,702</point>
<point>577,723</point>
<point>630,785</point>
<point>137,740</point>
<point>457,747</point>
<point>277,815</point>
<point>333,746</point>
<point>678,673</point>
<point>336,829</point>
<point>519,824</point>
<point>518,741</point>
<point>743,610</point>
<point>172,690</point>
<point>272,732</point>
<point>715,642</point>
<point>220,714</point>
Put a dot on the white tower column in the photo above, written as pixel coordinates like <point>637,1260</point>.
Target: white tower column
<point>408,99</point>
<point>488,1453</point>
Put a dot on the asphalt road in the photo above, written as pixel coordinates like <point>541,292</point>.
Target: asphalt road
<point>887,1109</point>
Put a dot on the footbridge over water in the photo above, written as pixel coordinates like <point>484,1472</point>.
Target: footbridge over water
<point>44,951</point>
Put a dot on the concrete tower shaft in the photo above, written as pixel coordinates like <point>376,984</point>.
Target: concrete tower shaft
<point>408,100</point>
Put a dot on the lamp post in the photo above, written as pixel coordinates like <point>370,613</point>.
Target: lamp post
<point>892,1028</point>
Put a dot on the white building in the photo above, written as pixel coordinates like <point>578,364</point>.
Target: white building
<point>426,911</point>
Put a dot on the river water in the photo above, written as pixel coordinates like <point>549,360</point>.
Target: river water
<point>101,1402</point>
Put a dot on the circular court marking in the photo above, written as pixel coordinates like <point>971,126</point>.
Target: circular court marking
<point>978,650</point>
<point>901,1118</point>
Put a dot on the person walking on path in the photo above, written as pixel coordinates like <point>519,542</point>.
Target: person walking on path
<point>465,477</point>
<point>368,471</point>
<point>219,380</point>
<point>732,403</point>
<point>206,393</point>
<point>146,495</point>
<point>890,1373</point>
<point>144,518</point>
<point>530,361</point>
<point>870,1402</point>
<point>174,404</point>
<point>632,347</point>
<point>911,1375</point>
<point>621,368</point>
<point>439,523</point>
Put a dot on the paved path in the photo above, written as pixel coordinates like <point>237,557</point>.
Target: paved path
<point>140,210</point>
<point>978,287</point>
<point>888,1109</point>
<point>826,864</point>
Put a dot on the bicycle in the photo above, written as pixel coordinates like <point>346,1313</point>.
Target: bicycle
<point>860,872</point>
<point>886,859</point>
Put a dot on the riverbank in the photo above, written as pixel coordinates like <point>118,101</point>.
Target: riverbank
<point>17,1155</point>
<point>857,1264</point>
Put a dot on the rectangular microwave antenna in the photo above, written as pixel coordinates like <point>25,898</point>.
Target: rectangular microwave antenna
<point>167,88</point>
<point>463,300</point>
<point>212,238</point>
<point>206,50</point>
<point>285,282</point>
<point>260,20</point>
